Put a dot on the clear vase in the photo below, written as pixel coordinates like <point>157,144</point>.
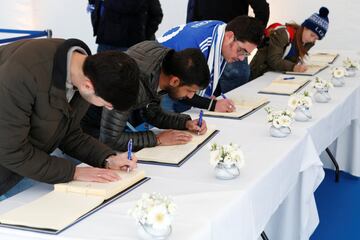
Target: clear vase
<point>322,96</point>
<point>302,114</point>
<point>280,132</point>
<point>226,172</point>
<point>351,72</point>
<point>338,82</point>
<point>147,232</point>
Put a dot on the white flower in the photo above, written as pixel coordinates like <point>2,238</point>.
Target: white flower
<point>158,217</point>
<point>338,72</point>
<point>350,63</point>
<point>321,84</point>
<point>299,100</point>
<point>154,209</point>
<point>284,118</point>
<point>228,154</point>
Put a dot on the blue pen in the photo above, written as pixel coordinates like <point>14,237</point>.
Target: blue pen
<point>223,95</point>
<point>129,148</point>
<point>288,78</point>
<point>200,119</point>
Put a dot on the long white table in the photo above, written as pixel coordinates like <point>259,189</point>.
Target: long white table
<point>273,192</point>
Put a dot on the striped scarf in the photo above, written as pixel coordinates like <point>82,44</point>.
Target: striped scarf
<point>216,62</point>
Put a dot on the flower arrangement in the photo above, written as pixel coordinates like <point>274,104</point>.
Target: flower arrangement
<point>338,72</point>
<point>280,118</point>
<point>350,63</point>
<point>300,100</point>
<point>154,210</point>
<point>229,154</point>
<point>321,84</point>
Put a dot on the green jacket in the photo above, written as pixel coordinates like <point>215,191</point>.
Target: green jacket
<point>270,57</point>
<point>35,117</point>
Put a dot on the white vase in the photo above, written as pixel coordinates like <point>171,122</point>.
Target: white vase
<point>302,114</point>
<point>226,172</point>
<point>147,232</point>
<point>338,82</point>
<point>322,96</point>
<point>350,72</point>
<point>280,132</point>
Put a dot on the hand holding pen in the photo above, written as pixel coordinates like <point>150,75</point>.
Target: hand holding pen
<point>129,151</point>
<point>225,105</point>
<point>198,125</point>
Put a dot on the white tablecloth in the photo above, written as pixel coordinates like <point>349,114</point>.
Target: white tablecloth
<point>274,191</point>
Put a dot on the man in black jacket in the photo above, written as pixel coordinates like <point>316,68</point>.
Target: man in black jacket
<point>180,74</point>
<point>119,24</point>
<point>46,86</point>
<point>237,73</point>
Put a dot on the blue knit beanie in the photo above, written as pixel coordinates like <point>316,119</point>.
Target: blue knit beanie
<point>318,22</point>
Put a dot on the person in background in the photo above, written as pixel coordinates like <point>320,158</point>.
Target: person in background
<point>163,70</point>
<point>46,86</point>
<point>237,73</point>
<point>286,45</point>
<point>220,43</point>
<point>119,24</point>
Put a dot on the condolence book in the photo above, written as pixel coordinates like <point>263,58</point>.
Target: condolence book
<point>312,69</point>
<point>68,203</point>
<point>323,57</point>
<point>175,155</point>
<point>245,106</point>
<point>286,87</point>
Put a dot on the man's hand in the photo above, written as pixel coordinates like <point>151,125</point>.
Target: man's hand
<point>173,137</point>
<point>224,105</point>
<point>192,126</point>
<point>300,68</point>
<point>92,174</point>
<point>102,175</point>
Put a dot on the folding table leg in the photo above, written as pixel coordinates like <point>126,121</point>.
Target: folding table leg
<point>337,169</point>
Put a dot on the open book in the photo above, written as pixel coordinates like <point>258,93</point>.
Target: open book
<point>244,107</point>
<point>312,69</point>
<point>323,57</point>
<point>286,87</point>
<point>68,203</point>
<point>174,155</point>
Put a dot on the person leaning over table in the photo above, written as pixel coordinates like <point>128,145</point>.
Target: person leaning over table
<point>180,74</point>
<point>46,86</point>
<point>286,46</point>
<point>220,43</point>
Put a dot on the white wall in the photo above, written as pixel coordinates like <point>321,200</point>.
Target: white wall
<point>68,18</point>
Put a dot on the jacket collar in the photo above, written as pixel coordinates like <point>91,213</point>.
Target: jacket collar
<point>57,89</point>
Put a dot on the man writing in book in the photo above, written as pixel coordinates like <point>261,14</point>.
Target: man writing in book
<point>46,86</point>
<point>220,43</point>
<point>180,74</point>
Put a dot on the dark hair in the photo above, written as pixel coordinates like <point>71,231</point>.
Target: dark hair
<point>298,39</point>
<point>189,66</point>
<point>115,77</point>
<point>246,29</point>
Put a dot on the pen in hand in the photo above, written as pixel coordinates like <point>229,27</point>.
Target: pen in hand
<point>129,148</point>
<point>223,95</point>
<point>200,120</point>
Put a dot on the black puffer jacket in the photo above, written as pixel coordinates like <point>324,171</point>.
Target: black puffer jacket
<point>123,23</point>
<point>149,56</point>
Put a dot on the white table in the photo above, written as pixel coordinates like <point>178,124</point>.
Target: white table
<point>274,191</point>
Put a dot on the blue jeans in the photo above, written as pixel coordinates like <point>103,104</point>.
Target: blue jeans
<point>21,186</point>
<point>235,74</point>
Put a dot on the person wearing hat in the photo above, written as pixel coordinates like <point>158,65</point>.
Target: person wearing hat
<point>285,46</point>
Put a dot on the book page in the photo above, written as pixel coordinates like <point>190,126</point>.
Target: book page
<point>55,210</point>
<point>68,202</point>
<point>312,69</point>
<point>105,190</point>
<point>281,86</point>
<point>243,106</point>
<point>172,154</point>
<point>322,57</point>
